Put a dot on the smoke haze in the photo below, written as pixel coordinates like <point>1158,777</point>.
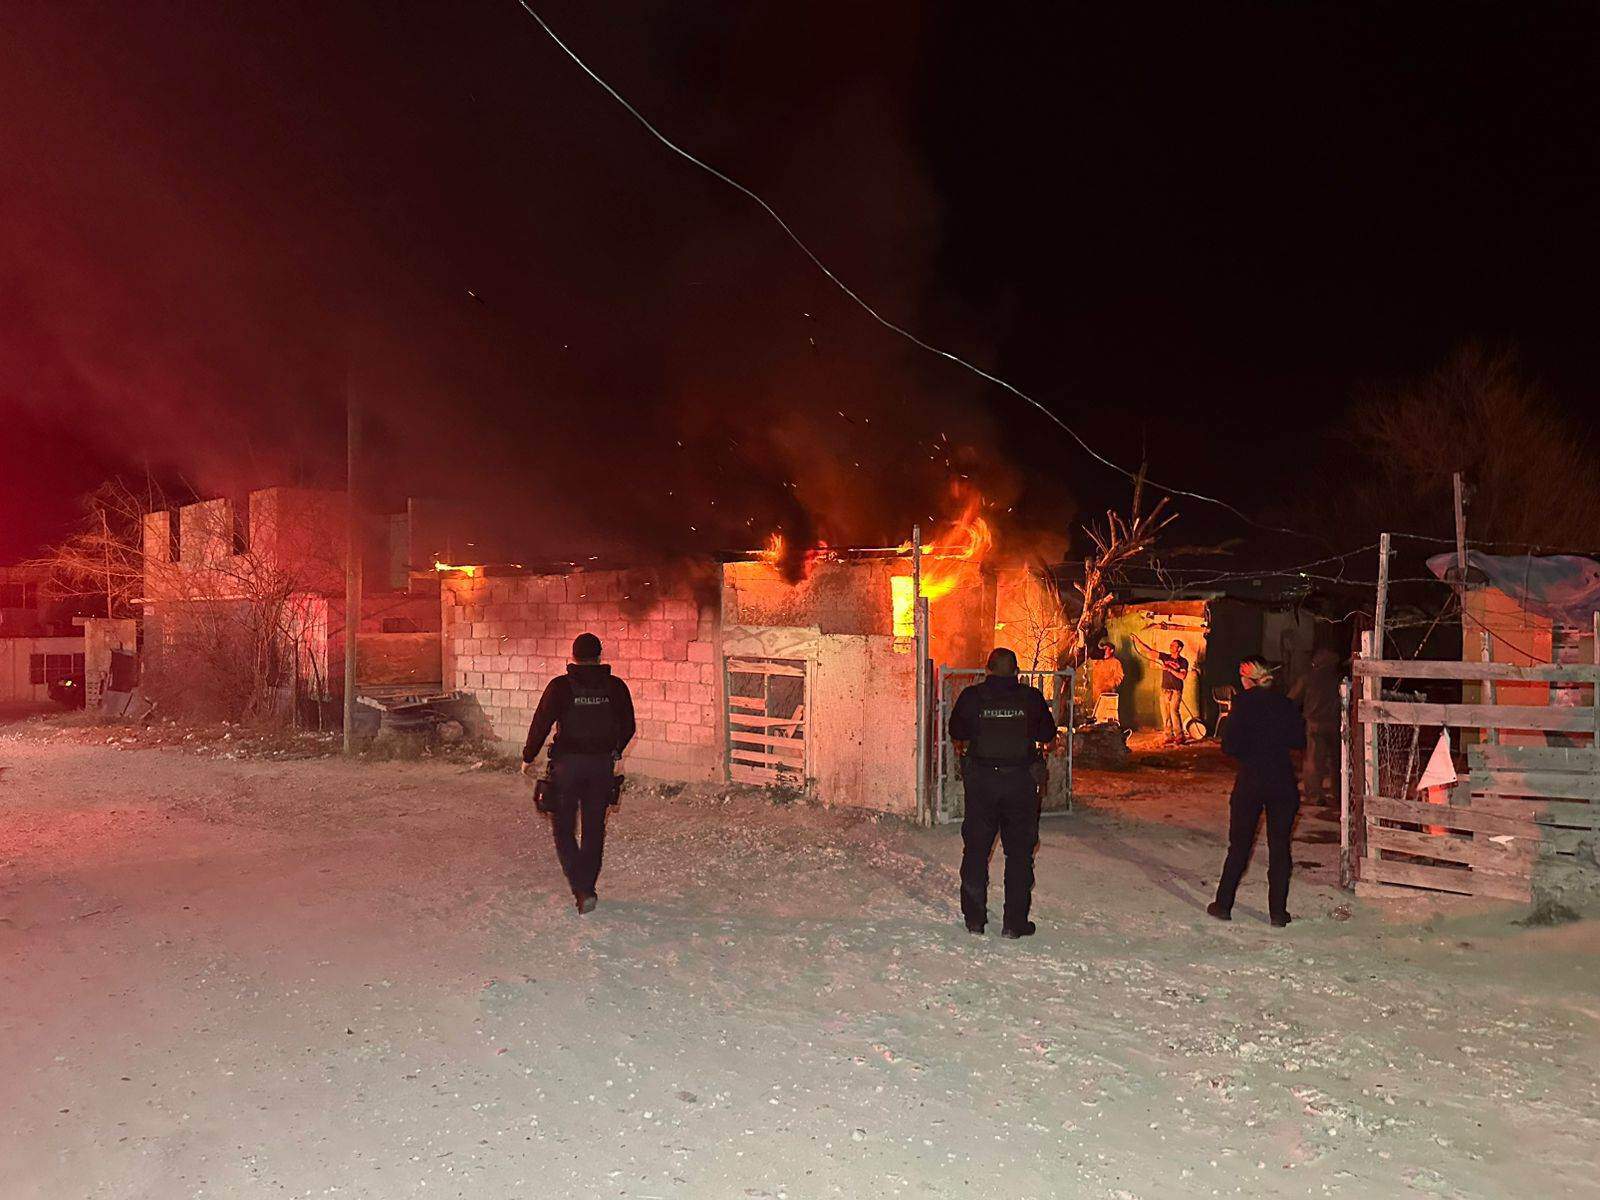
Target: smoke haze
<point>225,221</point>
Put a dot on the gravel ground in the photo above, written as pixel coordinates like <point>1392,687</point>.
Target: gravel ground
<point>227,975</point>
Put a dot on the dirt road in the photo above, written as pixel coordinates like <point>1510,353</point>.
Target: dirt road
<point>227,978</point>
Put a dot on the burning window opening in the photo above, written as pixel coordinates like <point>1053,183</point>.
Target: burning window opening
<point>905,615</point>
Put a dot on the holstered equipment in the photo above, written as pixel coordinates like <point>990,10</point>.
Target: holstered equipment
<point>1040,770</point>
<point>544,794</point>
<point>546,797</point>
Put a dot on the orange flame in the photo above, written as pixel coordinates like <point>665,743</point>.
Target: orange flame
<point>954,558</point>
<point>951,562</point>
<point>773,552</point>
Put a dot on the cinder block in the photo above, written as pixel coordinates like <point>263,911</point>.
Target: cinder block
<point>702,693</point>
<point>686,672</point>
<point>679,733</point>
<point>662,670</point>
<point>676,652</point>
<point>701,652</point>
<point>650,651</point>
<point>677,691</point>
<point>690,714</point>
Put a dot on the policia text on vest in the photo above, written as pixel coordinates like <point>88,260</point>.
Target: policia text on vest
<point>999,728</point>
<point>591,711</point>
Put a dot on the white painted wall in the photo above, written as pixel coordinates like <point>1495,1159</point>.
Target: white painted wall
<point>14,655</point>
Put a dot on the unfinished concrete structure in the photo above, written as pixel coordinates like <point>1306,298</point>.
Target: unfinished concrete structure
<point>40,643</point>
<point>263,576</point>
<point>822,688</point>
<point>742,673</point>
<point>508,634</point>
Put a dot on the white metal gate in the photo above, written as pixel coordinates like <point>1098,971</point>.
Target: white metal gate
<point>948,799</point>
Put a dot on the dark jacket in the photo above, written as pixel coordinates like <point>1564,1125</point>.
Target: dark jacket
<point>1263,726</point>
<point>557,703</point>
<point>1318,693</point>
<point>1003,692</point>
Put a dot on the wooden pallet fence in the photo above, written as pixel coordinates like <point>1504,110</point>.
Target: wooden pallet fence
<point>1520,805</point>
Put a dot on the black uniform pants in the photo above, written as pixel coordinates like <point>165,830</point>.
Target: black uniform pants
<point>999,800</point>
<point>1244,815</point>
<point>583,790</point>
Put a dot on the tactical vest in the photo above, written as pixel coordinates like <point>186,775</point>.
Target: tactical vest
<point>589,726</point>
<point>1003,730</point>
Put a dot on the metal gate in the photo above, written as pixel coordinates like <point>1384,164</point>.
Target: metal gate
<point>948,798</point>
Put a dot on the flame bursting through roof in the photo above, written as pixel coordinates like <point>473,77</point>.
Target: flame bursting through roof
<point>953,560</point>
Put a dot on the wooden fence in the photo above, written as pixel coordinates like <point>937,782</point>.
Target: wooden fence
<point>1520,806</point>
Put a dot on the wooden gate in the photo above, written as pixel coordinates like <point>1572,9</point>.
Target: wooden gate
<point>768,703</point>
<point>1522,804</point>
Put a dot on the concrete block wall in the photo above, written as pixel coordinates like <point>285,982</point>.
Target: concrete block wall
<point>505,637</point>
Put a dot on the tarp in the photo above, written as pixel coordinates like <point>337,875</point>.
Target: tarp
<point>1563,587</point>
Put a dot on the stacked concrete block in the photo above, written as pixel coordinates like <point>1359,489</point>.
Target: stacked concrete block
<point>505,637</point>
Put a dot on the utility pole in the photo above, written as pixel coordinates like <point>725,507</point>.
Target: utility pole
<point>1461,536</point>
<point>1380,614</point>
<point>919,647</point>
<point>352,563</point>
<point>105,547</point>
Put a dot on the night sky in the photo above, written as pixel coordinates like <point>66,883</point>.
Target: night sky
<point>1190,232</point>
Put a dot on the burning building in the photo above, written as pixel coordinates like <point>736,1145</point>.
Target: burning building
<point>778,668</point>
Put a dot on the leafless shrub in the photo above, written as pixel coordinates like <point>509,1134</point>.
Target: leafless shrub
<point>230,625</point>
<point>1119,543</point>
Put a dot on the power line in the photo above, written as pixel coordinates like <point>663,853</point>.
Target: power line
<point>873,312</point>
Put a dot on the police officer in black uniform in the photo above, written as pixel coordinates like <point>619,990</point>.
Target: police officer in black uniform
<point>1263,727</point>
<point>999,728</point>
<point>593,712</point>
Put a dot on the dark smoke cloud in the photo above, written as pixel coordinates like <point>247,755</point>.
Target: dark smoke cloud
<point>223,221</point>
